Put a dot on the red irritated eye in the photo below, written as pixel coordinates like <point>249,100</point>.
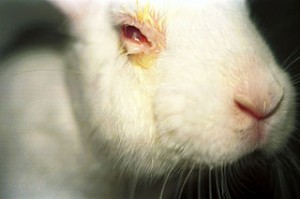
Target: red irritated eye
<point>134,35</point>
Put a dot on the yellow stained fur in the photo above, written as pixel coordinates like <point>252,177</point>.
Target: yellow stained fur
<point>147,16</point>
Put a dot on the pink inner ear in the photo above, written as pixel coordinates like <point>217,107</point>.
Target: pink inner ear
<point>133,34</point>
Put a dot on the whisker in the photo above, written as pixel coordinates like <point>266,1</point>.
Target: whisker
<point>180,180</point>
<point>239,172</point>
<point>281,180</point>
<point>292,62</point>
<point>222,180</point>
<point>133,188</point>
<point>185,181</point>
<point>293,53</point>
<point>225,191</point>
<point>217,183</point>
<point>296,83</point>
<point>199,184</point>
<point>210,183</point>
<point>295,78</point>
<point>164,184</point>
<point>291,162</point>
<point>234,181</point>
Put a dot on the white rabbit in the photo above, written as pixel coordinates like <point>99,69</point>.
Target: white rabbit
<point>162,86</point>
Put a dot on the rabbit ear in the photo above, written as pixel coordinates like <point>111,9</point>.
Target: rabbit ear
<point>71,8</point>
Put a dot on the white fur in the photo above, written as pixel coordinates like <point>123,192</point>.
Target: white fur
<point>182,109</point>
<point>180,112</point>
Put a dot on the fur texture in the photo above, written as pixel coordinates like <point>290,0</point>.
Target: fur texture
<point>182,109</point>
<point>213,95</point>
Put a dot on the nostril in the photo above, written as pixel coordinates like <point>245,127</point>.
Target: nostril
<point>250,109</point>
<point>258,109</point>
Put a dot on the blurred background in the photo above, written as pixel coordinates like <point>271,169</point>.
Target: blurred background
<point>29,22</point>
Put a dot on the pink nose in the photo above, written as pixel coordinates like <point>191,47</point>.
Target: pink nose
<point>258,107</point>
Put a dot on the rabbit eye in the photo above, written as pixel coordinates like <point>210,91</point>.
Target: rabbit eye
<point>133,34</point>
<point>141,34</point>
